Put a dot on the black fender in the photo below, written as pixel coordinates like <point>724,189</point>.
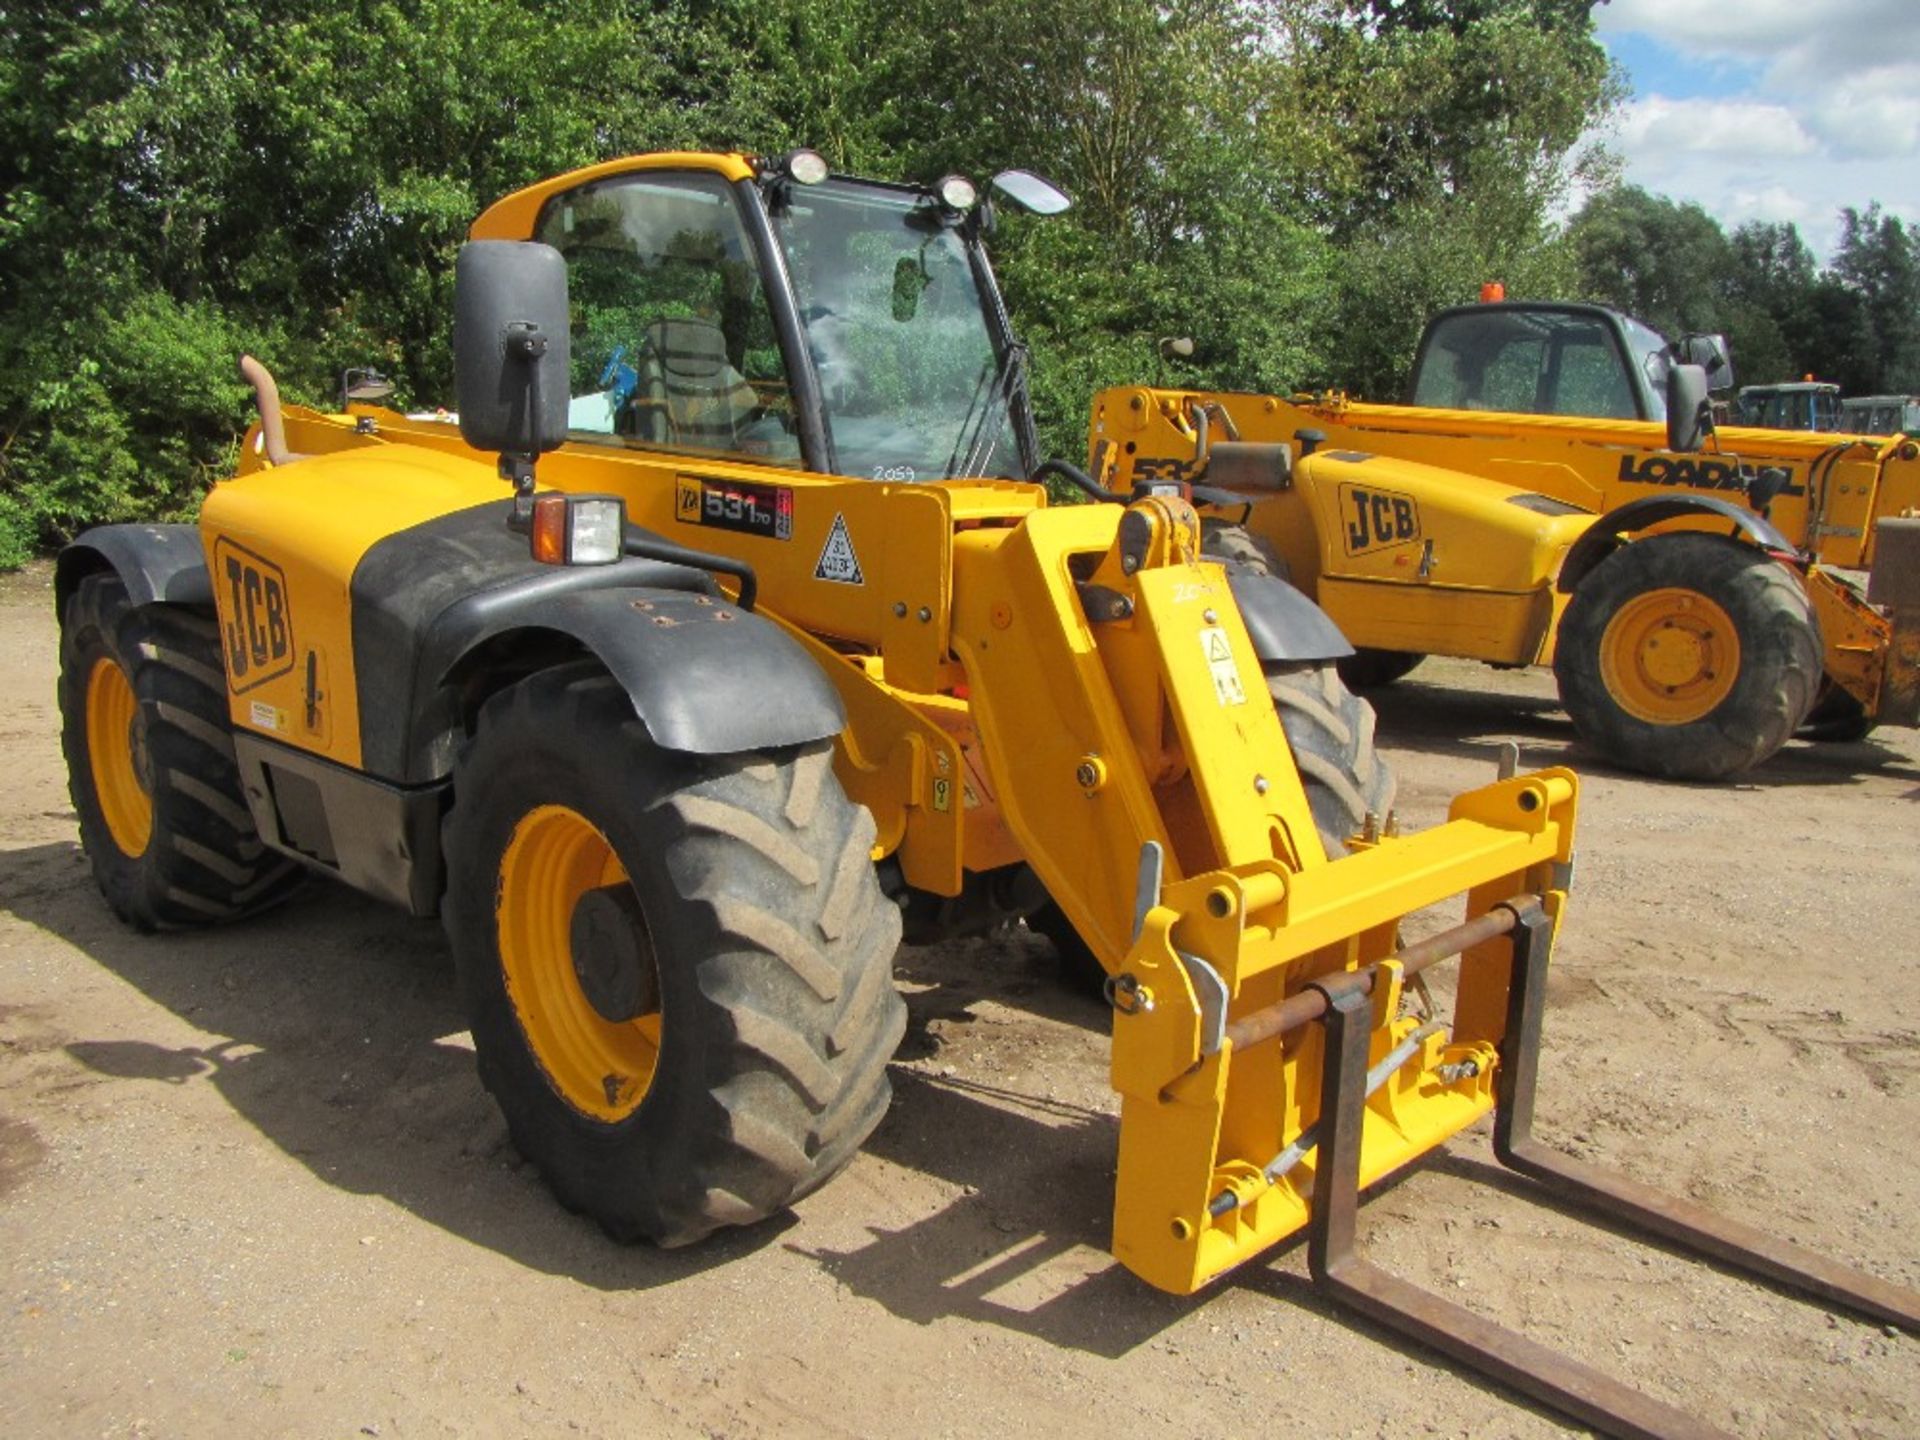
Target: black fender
<point>1603,537</point>
<point>157,563</point>
<point>1283,624</point>
<point>705,677</point>
<point>447,611</point>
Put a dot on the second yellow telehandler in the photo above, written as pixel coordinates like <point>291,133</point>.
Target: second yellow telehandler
<point>1548,498</point>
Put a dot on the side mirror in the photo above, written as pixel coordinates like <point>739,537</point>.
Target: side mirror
<point>364,385</point>
<point>1712,354</point>
<point>510,347</point>
<point>1031,193</point>
<point>1689,419</point>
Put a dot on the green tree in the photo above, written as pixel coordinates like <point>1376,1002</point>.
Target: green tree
<point>1661,261</point>
<point>1769,287</point>
<point>1878,263</point>
<point>1294,183</point>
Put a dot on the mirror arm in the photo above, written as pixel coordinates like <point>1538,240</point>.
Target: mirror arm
<point>525,343</point>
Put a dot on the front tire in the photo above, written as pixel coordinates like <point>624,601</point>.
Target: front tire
<point>1331,733</point>
<point>150,764</point>
<point>679,968</point>
<point>1688,656</point>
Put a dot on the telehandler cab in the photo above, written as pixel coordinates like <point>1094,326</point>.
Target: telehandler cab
<point>784,651</point>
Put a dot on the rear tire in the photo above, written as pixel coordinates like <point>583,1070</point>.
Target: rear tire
<point>1688,656</point>
<point>150,764</point>
<point>749,1061</point>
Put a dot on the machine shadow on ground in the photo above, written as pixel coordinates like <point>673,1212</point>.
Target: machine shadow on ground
<point>344,1045</point>
<point>347,1051</point>
<point>1447,715</point>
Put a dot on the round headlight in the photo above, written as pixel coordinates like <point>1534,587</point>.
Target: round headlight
<point>957,192</point>
<point>809,167</point>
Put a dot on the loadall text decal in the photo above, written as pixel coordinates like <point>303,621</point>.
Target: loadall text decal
<point>765,510</point>
<point>1695,474</point>
<point>1147,471</point>
<point>1375,519</point>
<point>256,623</point>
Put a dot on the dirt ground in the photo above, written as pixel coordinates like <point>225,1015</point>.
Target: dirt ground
<point>250,1185</point>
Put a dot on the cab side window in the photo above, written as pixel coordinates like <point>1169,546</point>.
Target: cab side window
<point>673,342</point>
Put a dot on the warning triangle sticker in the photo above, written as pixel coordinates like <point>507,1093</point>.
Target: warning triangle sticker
<point>1217,648</point>
<point>838,563</point>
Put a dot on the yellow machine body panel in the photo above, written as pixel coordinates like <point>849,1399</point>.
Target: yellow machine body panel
<point>1402,554</point>
<point>1837,485</point>
<point>281,545</point>
<point>858,574</point>
<point>512,216</point>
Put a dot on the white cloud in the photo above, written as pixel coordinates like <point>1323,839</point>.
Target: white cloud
<point>1792,111</point>
<point>1712,127</point>
<point>1828,37</point>
<point>1870,122</point>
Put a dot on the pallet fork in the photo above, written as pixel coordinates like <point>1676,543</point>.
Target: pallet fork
<point>1342,1004</point>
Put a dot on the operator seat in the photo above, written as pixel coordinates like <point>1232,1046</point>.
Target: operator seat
<point>689,394</point>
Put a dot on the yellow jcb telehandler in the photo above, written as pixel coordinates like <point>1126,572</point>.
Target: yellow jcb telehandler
<point>1539,501</point>
<point>782,652</point>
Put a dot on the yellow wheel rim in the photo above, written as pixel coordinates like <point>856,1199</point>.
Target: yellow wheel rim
<point>117,757</point>
<point>599,1066</point>
<point>1668,657</point>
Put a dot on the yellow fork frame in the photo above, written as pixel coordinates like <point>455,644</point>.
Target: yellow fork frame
<point>1148,781</point>
<point>1199,1120</point>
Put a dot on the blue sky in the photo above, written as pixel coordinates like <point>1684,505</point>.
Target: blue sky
<point>1770,109</point>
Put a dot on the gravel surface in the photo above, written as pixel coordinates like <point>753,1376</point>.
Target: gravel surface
<point>250,1185</point>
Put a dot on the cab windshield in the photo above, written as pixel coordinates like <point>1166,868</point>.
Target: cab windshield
<point>1528,362</point>
<point>912,384</point>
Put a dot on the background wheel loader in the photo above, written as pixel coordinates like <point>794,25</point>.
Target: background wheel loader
<point>781,652</point>
<point>1535,505</point>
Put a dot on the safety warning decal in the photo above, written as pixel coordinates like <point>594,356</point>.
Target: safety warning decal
<point>838,563</point>
<point>1226,674</point>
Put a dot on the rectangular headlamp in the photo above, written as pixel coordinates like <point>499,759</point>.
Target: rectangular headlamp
<point>578,529</point>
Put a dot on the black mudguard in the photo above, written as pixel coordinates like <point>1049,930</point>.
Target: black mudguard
<point>438,608</point>
<point>1603,536</point>
<point>1284,624</point>
<point>157,564</point>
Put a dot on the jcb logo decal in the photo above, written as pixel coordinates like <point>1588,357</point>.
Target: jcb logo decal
<point>256,623</point>
<point>1695,474</point>
<point>1376,519</point>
